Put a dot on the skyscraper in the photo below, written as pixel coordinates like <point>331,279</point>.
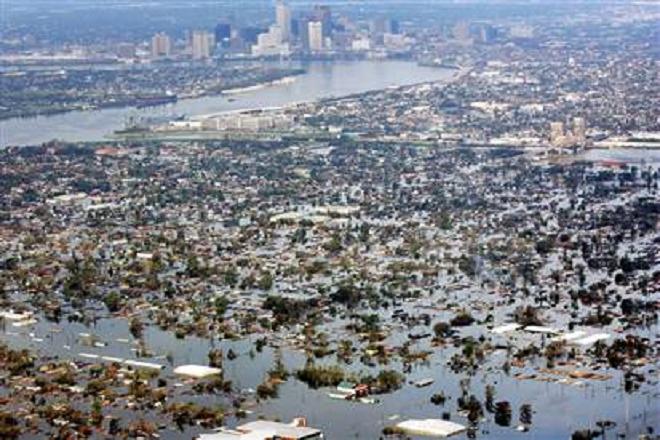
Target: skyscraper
<point>283,19</point>
<point>250,34</point>
<point>383,25</point>
<point>461,31</point>
<point>579,130</point>
<point>303,32</point>
<point>322,13</point>
<point>161,46</point>
<point>487,33</point>
<point>270,43</point>
<point>315,32</point>
<point>201,43</point>
<point>223,32</point>
<point>394,27</point>
<point>557,136</point>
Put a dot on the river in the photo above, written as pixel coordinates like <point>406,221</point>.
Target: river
<point>322,80</point>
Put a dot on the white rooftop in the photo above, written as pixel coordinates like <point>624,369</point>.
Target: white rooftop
<point>264,430</point>
<point>196,371</point>
<point>431,427</point>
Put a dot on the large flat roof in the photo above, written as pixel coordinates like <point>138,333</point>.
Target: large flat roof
<point>263,429</point>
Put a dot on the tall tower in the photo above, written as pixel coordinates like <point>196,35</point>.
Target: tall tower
<point>579,130</point>
<point>315,32</point>
<point>557,136</point>
<point>283,19</point>
<point>201,45</point>
<point>461,31</point>
<point>222,32</point>
<point>323,14</point>
<point>161,45</point>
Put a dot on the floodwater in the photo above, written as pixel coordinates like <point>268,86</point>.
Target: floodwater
<point>559,409</point>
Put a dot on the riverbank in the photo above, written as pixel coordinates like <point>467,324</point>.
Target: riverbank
<point>148,100</point>
<point>321,80</point>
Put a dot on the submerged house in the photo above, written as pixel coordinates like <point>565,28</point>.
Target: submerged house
<point>266,430</point>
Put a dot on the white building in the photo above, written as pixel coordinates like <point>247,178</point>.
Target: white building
<point>579,130</point>
<point>557,135</point>
<point>283,20</point>
<point>396,41</point>
<point>270,43</point>
<point>361,44</point>
<point>265,430</point>
<point>315,32</point>
<point>248,122</point>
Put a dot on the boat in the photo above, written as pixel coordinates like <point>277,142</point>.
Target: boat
<point>154,100</point>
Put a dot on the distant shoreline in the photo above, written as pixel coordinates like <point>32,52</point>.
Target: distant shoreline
<point>159,100</point>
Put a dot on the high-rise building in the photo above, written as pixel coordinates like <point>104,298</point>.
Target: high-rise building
<point>361,44</point>
<point>270,43</point>
<point>381,25</point>
<point>201,43</point>
<point>461,31</point>
<point>579,130</point>
<point>161,46</point>
<point>487,33</point>
<point>315,32</point>
<point>223,33</point>
<point>394,27</point>
<point>557,136</point>
<point>283,19</point>
<point>322,13</point>
<point>250,34</point>
<point>295,28</point>
<point>303,32</point>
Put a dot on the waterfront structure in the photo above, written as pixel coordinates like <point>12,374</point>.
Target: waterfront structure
<point>161,46</point>
<point>315,32</point>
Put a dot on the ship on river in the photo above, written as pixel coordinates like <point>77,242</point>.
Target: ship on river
<point>143,101</point>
